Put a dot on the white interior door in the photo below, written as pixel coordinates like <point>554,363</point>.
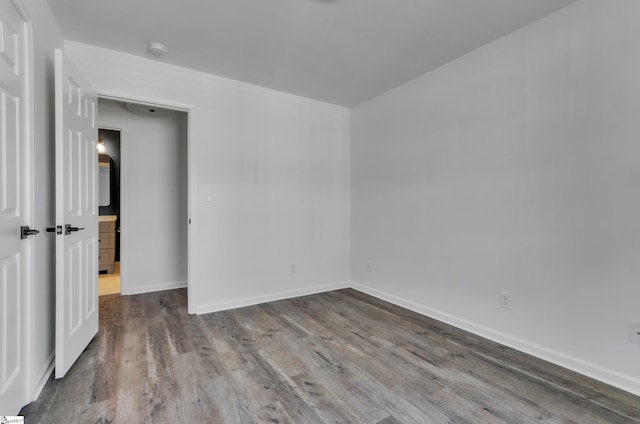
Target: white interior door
<point>15,208</point>
<point>76,214</point>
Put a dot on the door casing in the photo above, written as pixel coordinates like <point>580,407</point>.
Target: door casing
<point>113,126</point>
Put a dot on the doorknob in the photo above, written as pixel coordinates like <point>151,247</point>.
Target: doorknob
<point>68,229</point>
<point>25,232</point>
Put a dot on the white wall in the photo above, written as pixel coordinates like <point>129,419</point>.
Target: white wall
<point>514,168</point>
<point>46,37</point>
<point>276,166</point>
<point>154,197</point>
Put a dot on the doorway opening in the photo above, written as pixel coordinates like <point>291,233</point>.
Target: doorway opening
<point>109,211</point>
<point>149,200</point>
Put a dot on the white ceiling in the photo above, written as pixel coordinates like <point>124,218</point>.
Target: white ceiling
<point>338,51</point>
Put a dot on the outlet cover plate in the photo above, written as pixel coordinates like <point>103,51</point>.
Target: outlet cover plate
<point>505,300</point>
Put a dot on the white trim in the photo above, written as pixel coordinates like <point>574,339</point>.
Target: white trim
<point>123,212</point>
<point>605,375</point>
<point>191,198</point>
<point>250,301</point>
<point>156,288</point>
<point>180,107</point>
<point>108,128</point>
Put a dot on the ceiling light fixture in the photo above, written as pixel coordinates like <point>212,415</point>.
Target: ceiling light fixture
<point>100,146</point>
<point>157,49</point>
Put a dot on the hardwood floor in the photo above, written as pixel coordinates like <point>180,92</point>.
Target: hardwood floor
<point>337,357</point>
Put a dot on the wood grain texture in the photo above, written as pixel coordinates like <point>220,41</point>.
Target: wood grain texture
<point>336,357</point>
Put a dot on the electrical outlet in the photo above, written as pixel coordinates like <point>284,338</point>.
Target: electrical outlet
<point>634,332</point>
<point>505,300</point>
<point>292,269</point>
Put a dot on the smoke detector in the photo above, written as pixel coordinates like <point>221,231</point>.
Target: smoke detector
<point>157,49</point>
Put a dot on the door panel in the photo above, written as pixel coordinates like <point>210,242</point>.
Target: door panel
<point>11,366</point>
<point>90,176</point>
<point>76,206</point>
<point>14,210</point>
<point>10,114</point>
<point>91,301</point>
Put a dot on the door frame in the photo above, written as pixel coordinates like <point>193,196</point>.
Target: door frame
<point>178,107</point>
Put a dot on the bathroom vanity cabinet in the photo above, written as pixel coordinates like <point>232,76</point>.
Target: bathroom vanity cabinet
<point>107,244</point>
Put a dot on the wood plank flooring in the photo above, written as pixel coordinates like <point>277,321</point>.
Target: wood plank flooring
<point>336,357</point>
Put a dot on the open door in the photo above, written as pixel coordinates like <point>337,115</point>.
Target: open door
<point>76,214</point>
<point>15,208</point>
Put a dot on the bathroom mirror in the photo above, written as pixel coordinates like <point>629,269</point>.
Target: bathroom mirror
<point>104,181</point>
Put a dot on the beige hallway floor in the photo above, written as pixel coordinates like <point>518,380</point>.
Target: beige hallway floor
<point>109,283</point>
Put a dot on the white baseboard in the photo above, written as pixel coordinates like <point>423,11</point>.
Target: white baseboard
<point>43,375</point>
<point>155,288</point>
<point>608,376</point>
<point>249,301</point>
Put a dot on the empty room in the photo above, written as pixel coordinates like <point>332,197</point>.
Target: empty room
<point>320,211</point>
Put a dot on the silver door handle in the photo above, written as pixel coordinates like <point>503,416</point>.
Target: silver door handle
<point>68,229</point>
<point>25,232</point>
